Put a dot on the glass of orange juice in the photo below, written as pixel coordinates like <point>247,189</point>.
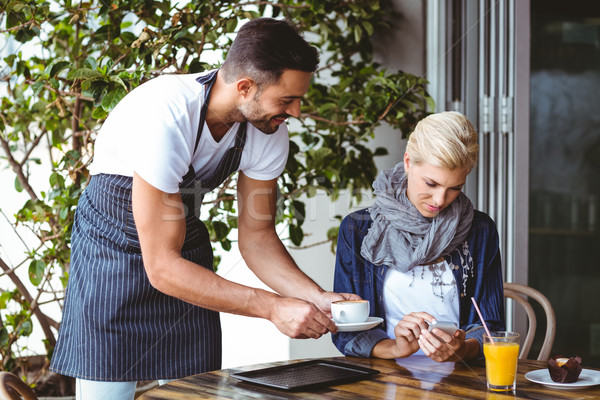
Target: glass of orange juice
<point>501,351</point>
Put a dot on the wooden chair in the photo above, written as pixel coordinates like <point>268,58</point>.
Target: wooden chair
<point>13,388</point>
<point>520,293</point>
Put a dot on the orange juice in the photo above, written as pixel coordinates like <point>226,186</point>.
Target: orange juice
<point>501,364</point>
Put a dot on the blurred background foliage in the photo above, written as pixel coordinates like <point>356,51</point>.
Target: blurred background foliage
<point>65,65</point>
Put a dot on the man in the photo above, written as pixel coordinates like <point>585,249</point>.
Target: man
<point>142,301</point>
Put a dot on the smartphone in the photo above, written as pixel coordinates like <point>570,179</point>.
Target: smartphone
<point>445,326</point>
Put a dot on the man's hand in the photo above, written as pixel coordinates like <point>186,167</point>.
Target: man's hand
<point>300,319</point>
<point>326,298</point>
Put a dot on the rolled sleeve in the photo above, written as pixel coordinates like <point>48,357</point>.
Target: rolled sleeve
<point>362,344</point>
<point>476,332</point>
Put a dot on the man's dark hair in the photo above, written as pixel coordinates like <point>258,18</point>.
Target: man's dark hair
<point>264,48</point>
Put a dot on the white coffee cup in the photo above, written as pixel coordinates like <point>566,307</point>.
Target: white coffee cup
<point>350,311</point>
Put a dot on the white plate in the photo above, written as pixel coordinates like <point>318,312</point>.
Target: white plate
<point>360,326</point>
<point>587,378</point>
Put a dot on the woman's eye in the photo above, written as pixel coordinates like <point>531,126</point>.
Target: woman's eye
<point>430,184</point>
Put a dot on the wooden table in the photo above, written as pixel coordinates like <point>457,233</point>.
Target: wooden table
<point>465,381</point>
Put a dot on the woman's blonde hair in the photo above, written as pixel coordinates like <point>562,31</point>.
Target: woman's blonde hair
<point>446,139</point>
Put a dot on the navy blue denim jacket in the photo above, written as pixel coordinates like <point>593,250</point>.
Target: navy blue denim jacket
<point>354,274</point>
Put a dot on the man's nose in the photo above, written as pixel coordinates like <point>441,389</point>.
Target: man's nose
<point>294,108</point>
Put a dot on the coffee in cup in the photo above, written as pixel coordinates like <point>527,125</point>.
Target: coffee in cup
<point>350,311</point>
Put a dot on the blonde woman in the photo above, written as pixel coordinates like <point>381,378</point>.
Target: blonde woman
<point>421,252</point>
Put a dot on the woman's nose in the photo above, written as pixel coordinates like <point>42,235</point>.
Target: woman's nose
<point>439,197</point>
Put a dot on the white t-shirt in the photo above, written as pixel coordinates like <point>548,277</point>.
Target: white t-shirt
<point>402,294</point>
<point>152,131</point>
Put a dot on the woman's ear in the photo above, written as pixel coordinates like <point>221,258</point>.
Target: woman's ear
<point>406,162</point>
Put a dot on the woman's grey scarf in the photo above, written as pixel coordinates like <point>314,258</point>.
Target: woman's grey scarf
<point>400,237</point>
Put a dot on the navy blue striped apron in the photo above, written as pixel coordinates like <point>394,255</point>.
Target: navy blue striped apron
<point>116,326</point>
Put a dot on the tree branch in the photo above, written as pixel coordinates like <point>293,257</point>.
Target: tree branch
<point>308,246</point>
<point>268,3</point>
<point>34,144</point>
<point>330,122</point>
<point>17,169</point>
<point>23,25</point>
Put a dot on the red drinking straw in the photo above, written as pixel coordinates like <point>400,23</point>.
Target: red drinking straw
<point>482,320</point>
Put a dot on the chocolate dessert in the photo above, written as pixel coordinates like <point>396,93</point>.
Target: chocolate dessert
<point>564,369</point>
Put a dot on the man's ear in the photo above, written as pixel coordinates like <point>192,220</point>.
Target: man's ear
<point>245,86</point>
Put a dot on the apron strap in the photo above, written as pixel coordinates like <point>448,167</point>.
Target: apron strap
<point>193,189</point>
<point>209,80</point>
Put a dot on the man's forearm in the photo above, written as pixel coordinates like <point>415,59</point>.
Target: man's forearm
<point>268,258</point>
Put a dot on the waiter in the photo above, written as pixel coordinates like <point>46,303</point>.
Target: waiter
<point>142,299</point>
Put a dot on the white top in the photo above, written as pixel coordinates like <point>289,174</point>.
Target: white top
<point>403,294</point>
<point>152,131</point>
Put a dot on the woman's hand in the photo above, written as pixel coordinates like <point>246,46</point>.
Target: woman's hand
<point>409,330</point>
<point>407,333</point>
<point>447,347</point>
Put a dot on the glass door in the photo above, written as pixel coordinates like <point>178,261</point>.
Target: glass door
<point>564,175</point>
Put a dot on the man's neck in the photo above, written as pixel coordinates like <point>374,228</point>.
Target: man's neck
<point>222,112</point>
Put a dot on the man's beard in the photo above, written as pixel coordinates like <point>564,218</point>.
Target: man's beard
<point>252,113</point>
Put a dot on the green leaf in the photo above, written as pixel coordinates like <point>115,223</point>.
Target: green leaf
<point>4,337</point>
<point>82,73</point>
<point>299,211</point>
<point>226,244</point>
<point>216,262</point>
<point>345,99</point>
<point>221,230</point>
<point>327,107</point>
<point>91,62</point>
<point>320,155</point>
<point>430,103</point>
<point>357,34</point>
<point>56,180</point>
<point>57,67</point>
<point>5,297</point>
<point>18,186</point>
<point>112,98</point>
<point>231,25</point>
<point>118,80</point>
<point>36,272</point>
<point>368,27</point>
<point>38,86</point>
<point>232,220</point>
<point>64,213</point>
<point>332,233</point>
<point>26,328</point>
<point>99,113</point>
<point>380,151</point>
<point>296,234</point>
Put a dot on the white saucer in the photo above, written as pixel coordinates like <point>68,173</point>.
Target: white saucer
<point>360,326</point>
<point>587,378</point>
